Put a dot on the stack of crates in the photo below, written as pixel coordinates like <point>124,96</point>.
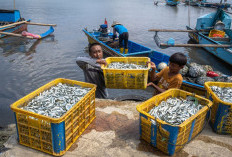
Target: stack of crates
<point>54,135</point>
<point>126,78</point>
<point>164,136</point>
<point>221,114</point>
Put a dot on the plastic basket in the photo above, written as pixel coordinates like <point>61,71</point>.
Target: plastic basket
<point>166,137</point>
<point>216,33</point>
<point>221,115</point>
<point>54,135</point>
<point>126,78</point>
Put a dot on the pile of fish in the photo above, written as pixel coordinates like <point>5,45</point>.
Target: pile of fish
<point>176,110</point>
<point>120,65</point>
<point>225,94</point>
<point>57,100</point>
<point>197,73</point>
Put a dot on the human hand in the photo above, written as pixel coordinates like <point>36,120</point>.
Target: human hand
<point>102,61</point>
<point>153,66</point>
<point>150,84</point>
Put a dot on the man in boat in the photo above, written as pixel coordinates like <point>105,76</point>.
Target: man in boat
<point>169,77</point>
<point>91,67</point>
<point>123,36</point>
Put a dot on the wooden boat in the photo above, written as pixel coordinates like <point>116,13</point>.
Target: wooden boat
<point>136,49</point>
<point>195,2</point>
<point>207,22</point>
<point>172,2</point>
<point>11,24</point>
<point>105,39</point>
<point>7,18</point>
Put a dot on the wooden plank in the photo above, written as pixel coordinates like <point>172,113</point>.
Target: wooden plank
<point>196,45</point>
<point>175,30</point>
<point>16,35</point>
<point>40,24</point>
<point>15,23</point>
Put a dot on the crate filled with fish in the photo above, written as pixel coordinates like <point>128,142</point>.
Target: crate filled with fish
<point>126,72</point>
<point>51,118</point>
<point>221,115</point>
<point>173,118</point>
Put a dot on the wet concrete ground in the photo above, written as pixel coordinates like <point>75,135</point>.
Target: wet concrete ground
<point>115,132</point>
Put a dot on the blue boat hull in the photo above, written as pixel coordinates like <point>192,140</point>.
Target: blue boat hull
<point>172,2</point>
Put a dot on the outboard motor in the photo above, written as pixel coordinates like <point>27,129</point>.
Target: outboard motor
<point>104,31</point>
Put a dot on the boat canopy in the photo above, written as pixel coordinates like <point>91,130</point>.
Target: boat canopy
<point>209,20</point>
<point>9,15</point>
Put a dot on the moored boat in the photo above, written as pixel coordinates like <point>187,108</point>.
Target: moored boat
<point>195,2</point>
<point>172,2</point>
<point>111,48</point>
<point>214,36</point>
<point>11,21</point>
<point>11,24</point>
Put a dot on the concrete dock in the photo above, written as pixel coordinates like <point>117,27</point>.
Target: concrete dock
<point>115,132</point>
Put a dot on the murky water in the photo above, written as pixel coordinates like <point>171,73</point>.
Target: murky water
<point>25,65</point>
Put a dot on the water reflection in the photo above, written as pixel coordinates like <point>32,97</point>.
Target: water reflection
<point>12,45</point>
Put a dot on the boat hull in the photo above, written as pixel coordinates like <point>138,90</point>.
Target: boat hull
<point>172,2</point>
<point>224,54</point>
<point>14,29</point>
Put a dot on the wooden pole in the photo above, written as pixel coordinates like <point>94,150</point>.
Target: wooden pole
<point>16,23</point>
<point>196,45</point>
<point>40,24</point>
<point>175,30</point>
<point>16,35</point>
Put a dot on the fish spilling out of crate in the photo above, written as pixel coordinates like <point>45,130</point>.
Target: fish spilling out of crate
<point>225,94</point>
<point>176,110</point>
<point>120,65</point>
<point>57,100</point>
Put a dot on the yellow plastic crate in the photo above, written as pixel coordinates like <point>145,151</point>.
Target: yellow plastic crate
<point>126,78</point>
<point>54,135</point>
<point>166,137</point>
<point>216,32</point>
<point>221,115</point>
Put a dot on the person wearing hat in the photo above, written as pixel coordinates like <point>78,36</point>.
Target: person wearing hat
<point>218,30</point>
<point>123,35</point>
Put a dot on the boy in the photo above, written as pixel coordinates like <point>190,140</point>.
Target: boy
<point>169,77</point>
<point>91,67</point>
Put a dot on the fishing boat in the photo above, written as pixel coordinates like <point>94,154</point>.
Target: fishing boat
<point>212,36</point>
<point>172,2</point>
<point>11,24</point>
<point>136,49</point>
<point>195,2</point>
<point>110,47</point>
<point>7,18</point>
